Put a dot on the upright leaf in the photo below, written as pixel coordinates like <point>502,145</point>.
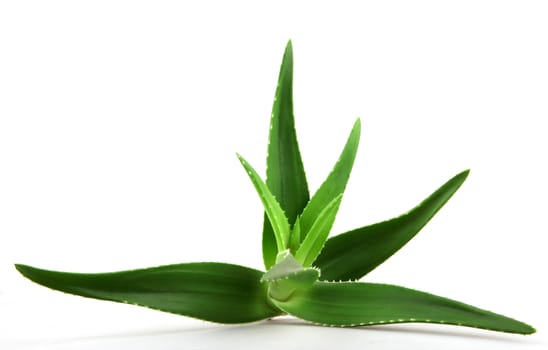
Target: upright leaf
<point>335,182</point>
<point>285,176</point>
<point>353,254</point>
<point>349,304</point>
<point>272,208</point>
<point>317,235</point>
<point>295,236</point>
<point>216,292</point>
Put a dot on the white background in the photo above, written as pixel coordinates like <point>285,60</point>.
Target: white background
<point>119,123</point>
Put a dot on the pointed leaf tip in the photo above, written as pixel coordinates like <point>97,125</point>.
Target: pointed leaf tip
<point>335,183</point>
<point>353,254</point>
<point>217,292</point>
<point>350,304</point>
<point>285,176</point>
<point>289,45</point>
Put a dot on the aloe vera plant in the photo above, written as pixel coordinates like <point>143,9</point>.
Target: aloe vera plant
<point>302,264</point>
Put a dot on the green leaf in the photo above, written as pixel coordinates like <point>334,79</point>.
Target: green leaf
<point>350,304</point>
<point>285,176</point>
<point>287,275</point>
<point>286,267</point>
<point>272,208</point>
<point>335,182</point>
<point>317,235</point>
<point>216,292</point>
<point>353,254</point>
<point>295,236</point>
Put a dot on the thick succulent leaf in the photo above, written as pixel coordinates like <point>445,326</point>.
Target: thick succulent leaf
<point>317,235</point>
<point>287,275</point>
<point>285,176</point>
<point>352,255</point>
<point>214,292</point>
<point>350,304</point>
<point>283,289</point>
<point>285,265</point>
<point>272,208</point>
<point>335,183</point>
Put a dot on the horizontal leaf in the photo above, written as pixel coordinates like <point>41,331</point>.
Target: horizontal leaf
<point>335,183</point>
<point>285,176</point>
<point>273,210</point>
<point>354,304</point>
<point>317,235</point>
<point>353,254</point>
<point>216,292</point>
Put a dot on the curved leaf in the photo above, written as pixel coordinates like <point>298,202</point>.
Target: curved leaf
<point>273,210</point>
<point>353,254</point>
<point>349,304</point>
<point>216,292</point>
<point>335,183</point>
<point>285,176</point>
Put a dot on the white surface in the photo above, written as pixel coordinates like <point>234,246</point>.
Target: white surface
<point>118,127</point>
